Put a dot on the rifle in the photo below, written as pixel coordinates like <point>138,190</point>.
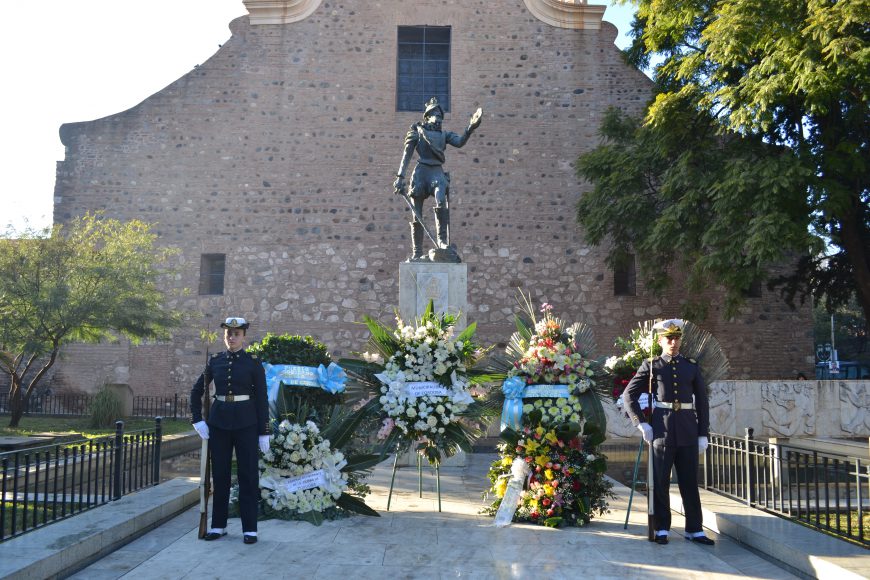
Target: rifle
<point>650,481</point>
<point>204,459</point>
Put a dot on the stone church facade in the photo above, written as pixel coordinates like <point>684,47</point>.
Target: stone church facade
<point>270,167</point>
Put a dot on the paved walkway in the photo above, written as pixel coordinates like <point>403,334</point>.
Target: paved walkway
<point>414,540</point>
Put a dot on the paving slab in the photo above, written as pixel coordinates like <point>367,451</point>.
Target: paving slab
<point>416,540</point>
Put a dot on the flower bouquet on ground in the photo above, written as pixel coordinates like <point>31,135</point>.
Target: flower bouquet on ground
<point>549,469</point>
<point>306,476</point>
<point>316,463</point>
<point>422,378</point>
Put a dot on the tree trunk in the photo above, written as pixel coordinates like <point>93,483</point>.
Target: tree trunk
<point>16,402</point>
<point>18,396</point>
<point>853,242</point>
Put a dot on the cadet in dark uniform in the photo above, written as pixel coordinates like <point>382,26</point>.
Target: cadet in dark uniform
<point>678,428</point>
<point>238,419</point>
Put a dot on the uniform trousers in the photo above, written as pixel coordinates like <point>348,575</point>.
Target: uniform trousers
<point>222,442</point>
<point>685,459</point>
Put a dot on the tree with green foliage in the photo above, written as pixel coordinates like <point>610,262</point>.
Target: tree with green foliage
<point>92,280</point>
<point>850,331</point>
<point>754,151</point>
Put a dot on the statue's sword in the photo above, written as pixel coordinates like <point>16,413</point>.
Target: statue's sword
<point>417,215</point>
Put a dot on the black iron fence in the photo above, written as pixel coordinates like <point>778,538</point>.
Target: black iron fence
<point>827,491</point>
<point>41,485</point>
<point>78,405</point>
<point>74,405</point>
<point>174,407</point>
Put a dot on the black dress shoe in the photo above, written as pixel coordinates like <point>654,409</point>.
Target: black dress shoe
<point>250,539</point>
<point>704,540</point>
<point>213,536</point>
<point>663,540</point>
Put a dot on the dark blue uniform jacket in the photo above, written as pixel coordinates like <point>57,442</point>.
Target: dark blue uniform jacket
<point>676,378</point>
<point>236,373</point>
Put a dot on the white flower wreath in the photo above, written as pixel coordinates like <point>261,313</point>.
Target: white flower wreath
<point>301,472</point>
<point>423,408</point>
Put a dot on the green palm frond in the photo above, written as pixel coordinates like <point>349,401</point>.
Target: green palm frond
<point>468,332</point>
<point>697,344</point>
<point>702,346</point>
<point>354,504</point>
<point>343,424</point>
<point>382,338</point>
<point>593,410</point>
<point>584,338</point>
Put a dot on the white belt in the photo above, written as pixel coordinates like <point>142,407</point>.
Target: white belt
<point>676,405</point>
<point>232,398</point>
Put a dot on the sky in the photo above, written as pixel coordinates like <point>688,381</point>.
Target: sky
<point>88,59</point>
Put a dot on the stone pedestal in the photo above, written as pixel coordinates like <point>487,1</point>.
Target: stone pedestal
<point>445,284</point>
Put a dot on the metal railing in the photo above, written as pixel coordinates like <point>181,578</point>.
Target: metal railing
<point>827,491</point>
<point>41,485</point>
<point>174,407</point>
<point>78,405</point>
<point>75,405</point>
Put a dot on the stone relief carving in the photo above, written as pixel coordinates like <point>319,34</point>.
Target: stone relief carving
<point>618,423</point>
<point>855,408</point>
<point>788,410</point>
<point>432,286</point>
<point>722,413</point>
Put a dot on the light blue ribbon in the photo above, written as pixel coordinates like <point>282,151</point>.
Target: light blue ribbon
<point>512,410</point>
<point>515,389</point>
<point>331,379</point>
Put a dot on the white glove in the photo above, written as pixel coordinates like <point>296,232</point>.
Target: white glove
<point>201,428</point>
<point>264,443</point>
<point>647,431</point>
<point>702,444</point>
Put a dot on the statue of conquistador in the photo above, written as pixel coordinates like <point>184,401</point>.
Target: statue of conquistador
<point>430,179</point>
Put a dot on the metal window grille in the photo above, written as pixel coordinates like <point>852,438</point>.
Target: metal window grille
<point>423,67</point>
<point>211,274</point>
<point>625,278</point>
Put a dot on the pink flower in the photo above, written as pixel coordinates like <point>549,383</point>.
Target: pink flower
<point>386,429</point>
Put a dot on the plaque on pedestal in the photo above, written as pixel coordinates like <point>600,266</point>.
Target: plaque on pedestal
<point>446,285</point>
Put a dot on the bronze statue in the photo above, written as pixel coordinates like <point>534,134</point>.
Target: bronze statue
<point>430,179</point>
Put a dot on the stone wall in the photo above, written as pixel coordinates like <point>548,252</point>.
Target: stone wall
<point>791,409</point>
<point>280,151</point>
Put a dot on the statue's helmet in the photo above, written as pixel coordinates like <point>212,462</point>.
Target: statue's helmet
<point>431,106</point>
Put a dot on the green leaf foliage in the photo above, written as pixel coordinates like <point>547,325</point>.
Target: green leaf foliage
<point>593,410</point>
<point>355,504</point>
<point>754,150</point>
<point>730,207</point>
<point>288,349</point>
<point>93,279</point>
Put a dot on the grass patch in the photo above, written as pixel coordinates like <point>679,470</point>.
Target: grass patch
<point>22,514</point>
<point>841,522</point>
<point>81,426</point>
